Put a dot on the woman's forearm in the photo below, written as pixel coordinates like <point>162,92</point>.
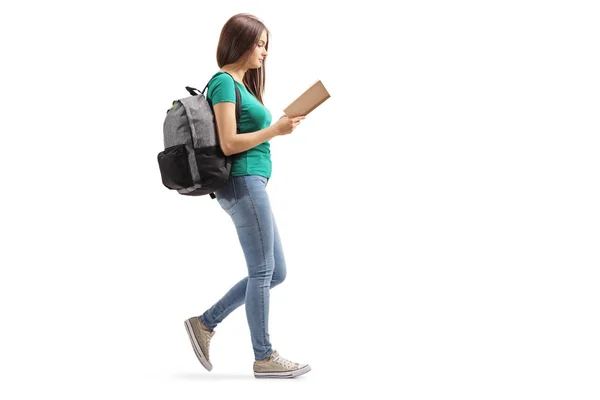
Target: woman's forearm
<point>245,141</point>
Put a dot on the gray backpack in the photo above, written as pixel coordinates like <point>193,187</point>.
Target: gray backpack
<point>192,162</point>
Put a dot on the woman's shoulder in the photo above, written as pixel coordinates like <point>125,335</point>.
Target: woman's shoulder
<point>219,77</point>
<point>220,83</point>
<point>224,79</point>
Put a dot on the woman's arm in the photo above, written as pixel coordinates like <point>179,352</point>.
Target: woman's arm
<point>230,141</point>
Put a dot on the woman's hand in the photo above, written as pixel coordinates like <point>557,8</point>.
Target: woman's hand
<point>286,125</point>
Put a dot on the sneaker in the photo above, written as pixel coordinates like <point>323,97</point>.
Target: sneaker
<point>279,367</point>
<point>200,339</point>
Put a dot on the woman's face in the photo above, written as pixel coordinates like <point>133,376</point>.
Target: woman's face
<point>259,53</point>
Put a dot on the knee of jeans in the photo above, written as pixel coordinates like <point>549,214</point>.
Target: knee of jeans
<point>265,271</point>
<point>278,278</point>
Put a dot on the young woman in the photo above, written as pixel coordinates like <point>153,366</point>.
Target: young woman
<point>241,52</point>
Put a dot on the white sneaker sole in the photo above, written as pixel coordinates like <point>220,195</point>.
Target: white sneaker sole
<point>285,374</point>
<point>197,349</point>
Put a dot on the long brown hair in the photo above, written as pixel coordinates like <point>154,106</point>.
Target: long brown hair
<point>239,36</point>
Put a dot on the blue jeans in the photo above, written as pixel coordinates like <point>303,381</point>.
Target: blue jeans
<point>245,199</point>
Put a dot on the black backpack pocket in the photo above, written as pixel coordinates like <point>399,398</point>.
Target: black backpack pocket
<point>212,166</point>
<point>174,167</point>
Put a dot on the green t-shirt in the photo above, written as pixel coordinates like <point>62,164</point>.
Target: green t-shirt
<point>254,117</point>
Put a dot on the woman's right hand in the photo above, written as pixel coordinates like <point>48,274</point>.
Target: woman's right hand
<point>286,125</point>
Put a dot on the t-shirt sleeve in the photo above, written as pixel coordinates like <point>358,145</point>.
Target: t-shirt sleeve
<point>221,89</point>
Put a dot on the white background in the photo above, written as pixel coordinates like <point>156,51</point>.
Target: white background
<point>439,213</point>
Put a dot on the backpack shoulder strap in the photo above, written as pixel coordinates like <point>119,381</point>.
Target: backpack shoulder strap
<point>238,111</point>
<point>238,100</point>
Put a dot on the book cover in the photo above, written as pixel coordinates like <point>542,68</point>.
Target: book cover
<point>313,97</point>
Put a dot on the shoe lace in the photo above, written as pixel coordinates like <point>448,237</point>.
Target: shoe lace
<point>284,362</point>
<point>207,339</point>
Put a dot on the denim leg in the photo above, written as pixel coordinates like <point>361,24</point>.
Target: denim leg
<point>236,296</point>
<point>248,204</point>
<point>280,272</point>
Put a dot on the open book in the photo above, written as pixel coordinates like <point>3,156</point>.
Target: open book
<point>312,98</point>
